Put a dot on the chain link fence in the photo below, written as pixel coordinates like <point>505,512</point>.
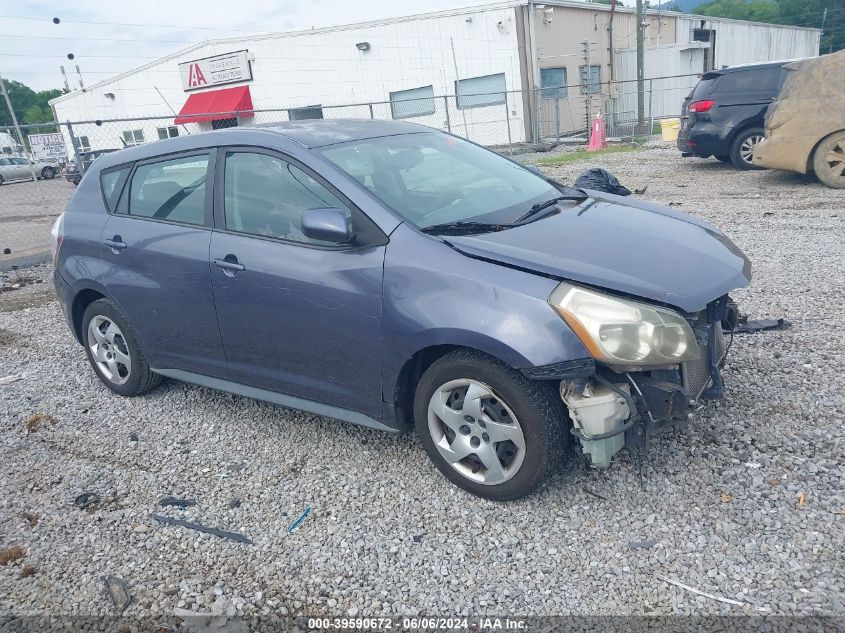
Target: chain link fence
<point>40,167</point>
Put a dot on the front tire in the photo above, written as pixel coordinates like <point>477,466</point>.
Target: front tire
<point>487,427</point>
<point>829,161</point>
<point>114,352</point>
<point>742,148</point>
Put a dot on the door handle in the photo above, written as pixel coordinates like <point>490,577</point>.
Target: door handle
<point>229,265</point>
<point>116,244</point>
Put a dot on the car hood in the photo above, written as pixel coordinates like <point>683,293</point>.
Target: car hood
<point>623,245</point>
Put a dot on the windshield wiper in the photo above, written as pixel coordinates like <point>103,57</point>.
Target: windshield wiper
<point>540,206</point>
<point>463,228</point>
<point>469,228</point>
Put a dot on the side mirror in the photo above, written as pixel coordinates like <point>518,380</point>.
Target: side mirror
<point>327,225</point>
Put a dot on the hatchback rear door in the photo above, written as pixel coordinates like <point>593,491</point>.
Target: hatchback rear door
<point>298,316</point>
<point>157,243</point>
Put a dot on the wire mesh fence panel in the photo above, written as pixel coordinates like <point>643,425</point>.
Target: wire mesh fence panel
<point>32,189</point>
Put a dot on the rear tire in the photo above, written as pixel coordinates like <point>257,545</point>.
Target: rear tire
<point>742,148</point>
<point>829,161</point>
<point>499,445</point>
<point>48,173</point>
<point>114,352</point>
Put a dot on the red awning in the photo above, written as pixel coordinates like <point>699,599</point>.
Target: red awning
<point>213,105</point>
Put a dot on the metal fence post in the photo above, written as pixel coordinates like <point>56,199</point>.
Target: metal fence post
<point>448,122</point>
<point>508,118</point>
<point>557,119</point>
<point>73,140</point>
<point>371,110</point>
<point>650,102</point>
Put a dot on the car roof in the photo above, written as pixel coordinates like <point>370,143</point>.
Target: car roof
<point>308,133</point>
<point>753,66</point>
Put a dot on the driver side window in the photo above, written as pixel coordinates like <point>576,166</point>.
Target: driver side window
<point>266,196</point>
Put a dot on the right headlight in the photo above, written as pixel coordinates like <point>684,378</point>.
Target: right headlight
<point>622,332</point>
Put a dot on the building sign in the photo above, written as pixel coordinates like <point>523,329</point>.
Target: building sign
<point>47,146</point>
<point>214,71</point>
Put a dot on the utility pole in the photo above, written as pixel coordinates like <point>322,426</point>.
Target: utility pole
<point>11,110</point>
<point>640,66</point>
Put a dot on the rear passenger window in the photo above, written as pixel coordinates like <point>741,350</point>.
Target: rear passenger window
<point>109,181</point>
<point>265,195</point>
<point>171,190</point>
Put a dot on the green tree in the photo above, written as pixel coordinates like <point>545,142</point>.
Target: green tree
<point>756,10</point>
<point>30,106</point>
<point>811,13</point>
<point>808,13</point>
<point>37,114</point>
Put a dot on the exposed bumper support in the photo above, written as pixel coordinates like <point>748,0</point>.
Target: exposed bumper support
<point>610,410</point>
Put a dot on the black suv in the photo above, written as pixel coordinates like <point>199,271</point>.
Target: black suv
<point>78,166</point>
<point>723,115</point>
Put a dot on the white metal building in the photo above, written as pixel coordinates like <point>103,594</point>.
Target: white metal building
<point>488,72</point>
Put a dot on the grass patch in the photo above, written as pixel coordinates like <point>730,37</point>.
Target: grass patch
<point>582,154</point>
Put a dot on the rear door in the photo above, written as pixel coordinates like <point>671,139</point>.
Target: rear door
<point>157,242</point>
<point>22,168</point>
<point>743,96</point>
<point>298,316</point>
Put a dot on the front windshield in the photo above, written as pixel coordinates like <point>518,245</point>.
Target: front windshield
<point>432,178</point>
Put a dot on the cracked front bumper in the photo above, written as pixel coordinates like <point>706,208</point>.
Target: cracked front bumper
<point>612,408</point>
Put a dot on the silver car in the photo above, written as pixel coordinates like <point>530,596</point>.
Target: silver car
<point>13,168</point>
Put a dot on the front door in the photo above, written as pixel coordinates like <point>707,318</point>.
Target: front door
<point>298,316</point>
<point>157,244</point>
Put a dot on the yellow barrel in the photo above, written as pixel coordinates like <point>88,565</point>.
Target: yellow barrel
<point>669,129</point>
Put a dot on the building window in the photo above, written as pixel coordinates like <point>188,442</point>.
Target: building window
<point>84,144</point>
<point>167,132</point>
<point>595,79</point>
<point>222,124</point>
<point>477,92</point>
<point>308,112</point>
<point>133,137</point>
<point>405,104</point>
<point>553,83</point>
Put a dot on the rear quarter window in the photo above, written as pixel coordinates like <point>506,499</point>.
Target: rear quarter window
<point>704,87</point>
<point>111,182</point>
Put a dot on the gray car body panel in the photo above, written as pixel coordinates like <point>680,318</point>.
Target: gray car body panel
<point>379,305</point>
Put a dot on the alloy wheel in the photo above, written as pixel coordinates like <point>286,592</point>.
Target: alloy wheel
<point>746,149</point>
<point>834,159</point>
<point>476,432</point>
<point>109,350</point>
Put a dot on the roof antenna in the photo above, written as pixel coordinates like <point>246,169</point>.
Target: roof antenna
<point>183,126</point>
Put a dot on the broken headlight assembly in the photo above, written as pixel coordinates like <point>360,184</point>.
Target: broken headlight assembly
<point>623,332</point>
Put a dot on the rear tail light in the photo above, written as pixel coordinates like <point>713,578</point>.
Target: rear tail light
<point>702,106</point>
<point>57,233</point>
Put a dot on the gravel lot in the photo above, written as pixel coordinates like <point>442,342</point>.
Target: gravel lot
<point>747,503</point>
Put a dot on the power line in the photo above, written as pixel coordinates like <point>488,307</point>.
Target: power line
<point>102,39</point>
<point>163,26</point>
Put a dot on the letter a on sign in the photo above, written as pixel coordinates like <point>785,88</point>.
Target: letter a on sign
<point>195,76</point>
